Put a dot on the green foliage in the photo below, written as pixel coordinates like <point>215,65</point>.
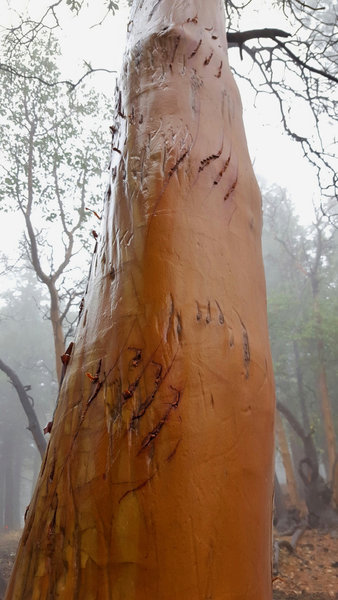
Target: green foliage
<point>54,148</point>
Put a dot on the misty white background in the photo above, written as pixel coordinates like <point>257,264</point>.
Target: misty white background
<point>276,159</point>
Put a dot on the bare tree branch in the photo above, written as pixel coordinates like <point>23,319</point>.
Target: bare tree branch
<point>33,423</point>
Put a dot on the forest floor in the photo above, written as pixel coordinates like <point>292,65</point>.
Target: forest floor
<point>308,573</point>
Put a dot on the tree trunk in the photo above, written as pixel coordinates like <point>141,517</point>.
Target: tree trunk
<point>327,414</point>
<point>322,384</point>
<point>33,423</point>
<point>58,337</point>
<point>158,479</point>
<point>287,463</point>
<point>300,387</point>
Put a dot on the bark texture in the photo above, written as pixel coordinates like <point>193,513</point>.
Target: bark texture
<point>158,479</point>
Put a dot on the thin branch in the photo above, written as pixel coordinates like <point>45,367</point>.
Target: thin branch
<point>12,71</point>
<point>33,423</point>
<point>304,65</point>
<point>237,38</point>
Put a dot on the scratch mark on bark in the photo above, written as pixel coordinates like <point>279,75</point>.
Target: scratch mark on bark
<point>179,326</point>
<point>177,164</point>
<point>138,487</point>
<point>219,73</point>
<point>230,190</point>
<point>246,347</point>
<point>159,379</point>
<point>152,435</point>
<point>172,454</point>
<point>199,312</point>
<point>221,315</point>
<point>208,317</point>
<point>201,384</point>
<point>206,161</point>
<point>177,41</point>
<point>171,316</point>
<point>119,106</point>
<point>222,171</point>
<point>208,58</point>
<point>193,20</point>
<point>196,49</point>
<point>153,9</point>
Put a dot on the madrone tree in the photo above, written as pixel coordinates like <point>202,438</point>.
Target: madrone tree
<point>158,478</point>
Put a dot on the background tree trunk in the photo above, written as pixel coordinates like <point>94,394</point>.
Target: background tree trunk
<point>294,498</point>
<point>158,479</point>
<point>26,403</point>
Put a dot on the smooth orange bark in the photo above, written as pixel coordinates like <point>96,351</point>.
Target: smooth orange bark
<point>158,479</point>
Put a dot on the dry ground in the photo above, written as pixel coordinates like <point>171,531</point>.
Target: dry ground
<point>310,573</point>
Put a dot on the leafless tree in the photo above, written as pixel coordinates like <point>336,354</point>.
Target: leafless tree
<point>298,66</point>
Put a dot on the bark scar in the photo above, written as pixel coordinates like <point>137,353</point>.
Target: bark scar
<point>222,171</point>
<point>196,49</point>
<point>152,435</point>
<point>206,161</point>
<point>138,487</point>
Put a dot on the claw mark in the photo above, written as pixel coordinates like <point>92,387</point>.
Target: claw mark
<point>179,327</point>
<point>119,106</point>
<point>177,41</point>
<point>222,171</point>
<point>172,454</point>
<point>177,164</point>
<point>206,161</point>
<point>159,378</point>
<point>138,356</point>
<point>171,316</point>
<point>199,312</point>
<point>196,49</point>
<point>98,385</point>
<point>212,400</point>
<point>192,20</point>
<point>138,487</point>
<point>150,437</point>
<point>51,474</point>
<point>208,58</point>
<point>221,315</point>
<point>246,347</point>
<point>153,9</point>
<point>208,317</point>
<point>246,351</point>
<point>230,190</point>
<point>219,70</point>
